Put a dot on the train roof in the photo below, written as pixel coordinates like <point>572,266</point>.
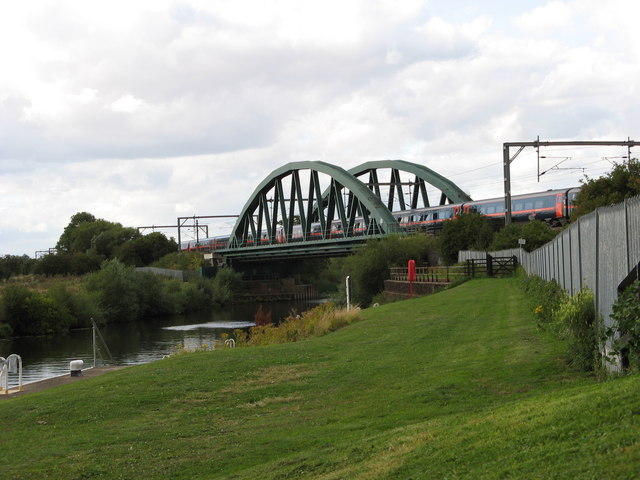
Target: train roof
<point>527,195</point>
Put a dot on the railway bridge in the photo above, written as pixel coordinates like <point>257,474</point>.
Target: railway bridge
<point>314,208</point>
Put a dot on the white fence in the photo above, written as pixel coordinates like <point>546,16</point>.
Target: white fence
<point>598,251</point>
<point>183,275</point>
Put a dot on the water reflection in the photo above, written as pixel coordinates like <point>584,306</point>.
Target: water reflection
<point>135,343</point>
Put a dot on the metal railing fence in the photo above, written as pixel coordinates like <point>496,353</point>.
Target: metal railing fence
<point>428,274</point>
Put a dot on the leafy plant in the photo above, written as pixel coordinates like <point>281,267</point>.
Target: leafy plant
<point>467,231</point>
<point>624,333</point>
<point>369,265</point>
<point>576,317</point>
<point>536,233</point>
<point>623,181</point>
<point>318,321</point>
<point>225,283</point>
<point>544,297</point>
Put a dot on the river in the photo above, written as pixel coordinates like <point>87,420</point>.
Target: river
<point>134,343</point>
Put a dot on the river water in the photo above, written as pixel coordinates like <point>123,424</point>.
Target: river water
<point>134,343</point>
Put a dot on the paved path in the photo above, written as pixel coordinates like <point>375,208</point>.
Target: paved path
<point>55,381</point>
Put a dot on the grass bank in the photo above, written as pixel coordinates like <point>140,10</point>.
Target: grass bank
<point>456,385</point>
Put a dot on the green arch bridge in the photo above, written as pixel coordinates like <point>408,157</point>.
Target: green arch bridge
<point>314,208</point>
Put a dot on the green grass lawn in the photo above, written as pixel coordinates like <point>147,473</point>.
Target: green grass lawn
<point>456,385</point>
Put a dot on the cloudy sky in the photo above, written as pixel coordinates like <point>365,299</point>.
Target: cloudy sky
<point>140,112</point>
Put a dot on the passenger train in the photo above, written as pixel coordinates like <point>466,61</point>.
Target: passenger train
<point>551,206</point>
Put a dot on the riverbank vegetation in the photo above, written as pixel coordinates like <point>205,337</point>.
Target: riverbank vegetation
<point>369,265</point>
<point>85,243</point>
<point>323,319</point>
<point>115,293</point>
<point>460,384</point>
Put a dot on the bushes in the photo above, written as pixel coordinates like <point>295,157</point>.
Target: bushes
<point>573,318</point>
<point>27,312</point>
<point>536,233</point>
<point>576,318</point>
<point>624,334</point>
<point>318,321</point>
<point>225,283</point>
<point>369,265</point>
<point>116,293</point>
<point>544,297</point>
<point>468,231</point>
<point>115,288</point>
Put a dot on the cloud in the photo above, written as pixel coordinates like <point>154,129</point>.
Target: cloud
<point>549,17</point>
<point>141,112</point>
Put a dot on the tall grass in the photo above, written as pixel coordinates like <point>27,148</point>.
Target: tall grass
<point>318,321</point>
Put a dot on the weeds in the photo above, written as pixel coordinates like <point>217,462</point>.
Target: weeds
<point>624,333</point>
<point>318,321</point>
<point>571,318</point>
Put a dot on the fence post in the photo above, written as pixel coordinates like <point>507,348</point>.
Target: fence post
<point>580,253</point>
<point>626,234</point>
<point>489,265</point>
<point>595,290</point>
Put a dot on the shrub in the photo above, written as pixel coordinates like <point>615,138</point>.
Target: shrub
<point>369,265</point>
<point>181,261</point>
<point>576,317</point>
<point>318,321</point>
<point>624,333</point>
<point>5,330</point>
<point>536,233</point>
<point>544,297</point>
<point>115,287</point>
<point>198,295</point>
<point>29,312</point>
<point>468,231</point>
<point>81,305</point>
<point>225,283</point>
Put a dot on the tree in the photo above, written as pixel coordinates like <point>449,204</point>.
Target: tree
<point>536,233</point>
<point>11,265</point>
<point>369,265</point>
<point>623,181</point>
<point>64,243</point>
<point>115,288</point>
<point>146,249</point>
<point>468,231</point>
<point>85,233</point>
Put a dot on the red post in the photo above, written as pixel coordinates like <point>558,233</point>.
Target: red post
<point>412,276</point>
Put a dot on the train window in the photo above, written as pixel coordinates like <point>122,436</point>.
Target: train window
<point>528,205</point>
<point>435,215</point>
<point>539,203</point>
<point>517,206</point>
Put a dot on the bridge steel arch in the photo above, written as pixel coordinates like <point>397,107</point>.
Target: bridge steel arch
<point>258,223</point>
<point>423,175</point>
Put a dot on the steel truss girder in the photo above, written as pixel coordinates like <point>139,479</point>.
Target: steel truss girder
<point>423,176</point>
<point>257,225</point>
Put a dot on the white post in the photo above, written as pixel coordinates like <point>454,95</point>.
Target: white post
<point>94,341</point>
<point>348,285</point>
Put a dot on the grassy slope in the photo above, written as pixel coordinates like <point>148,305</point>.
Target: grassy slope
<point>456,385</point>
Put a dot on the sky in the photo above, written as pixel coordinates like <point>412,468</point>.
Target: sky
<point>142,112</point>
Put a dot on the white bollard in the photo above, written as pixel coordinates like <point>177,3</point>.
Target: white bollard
<point>76,367</point>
